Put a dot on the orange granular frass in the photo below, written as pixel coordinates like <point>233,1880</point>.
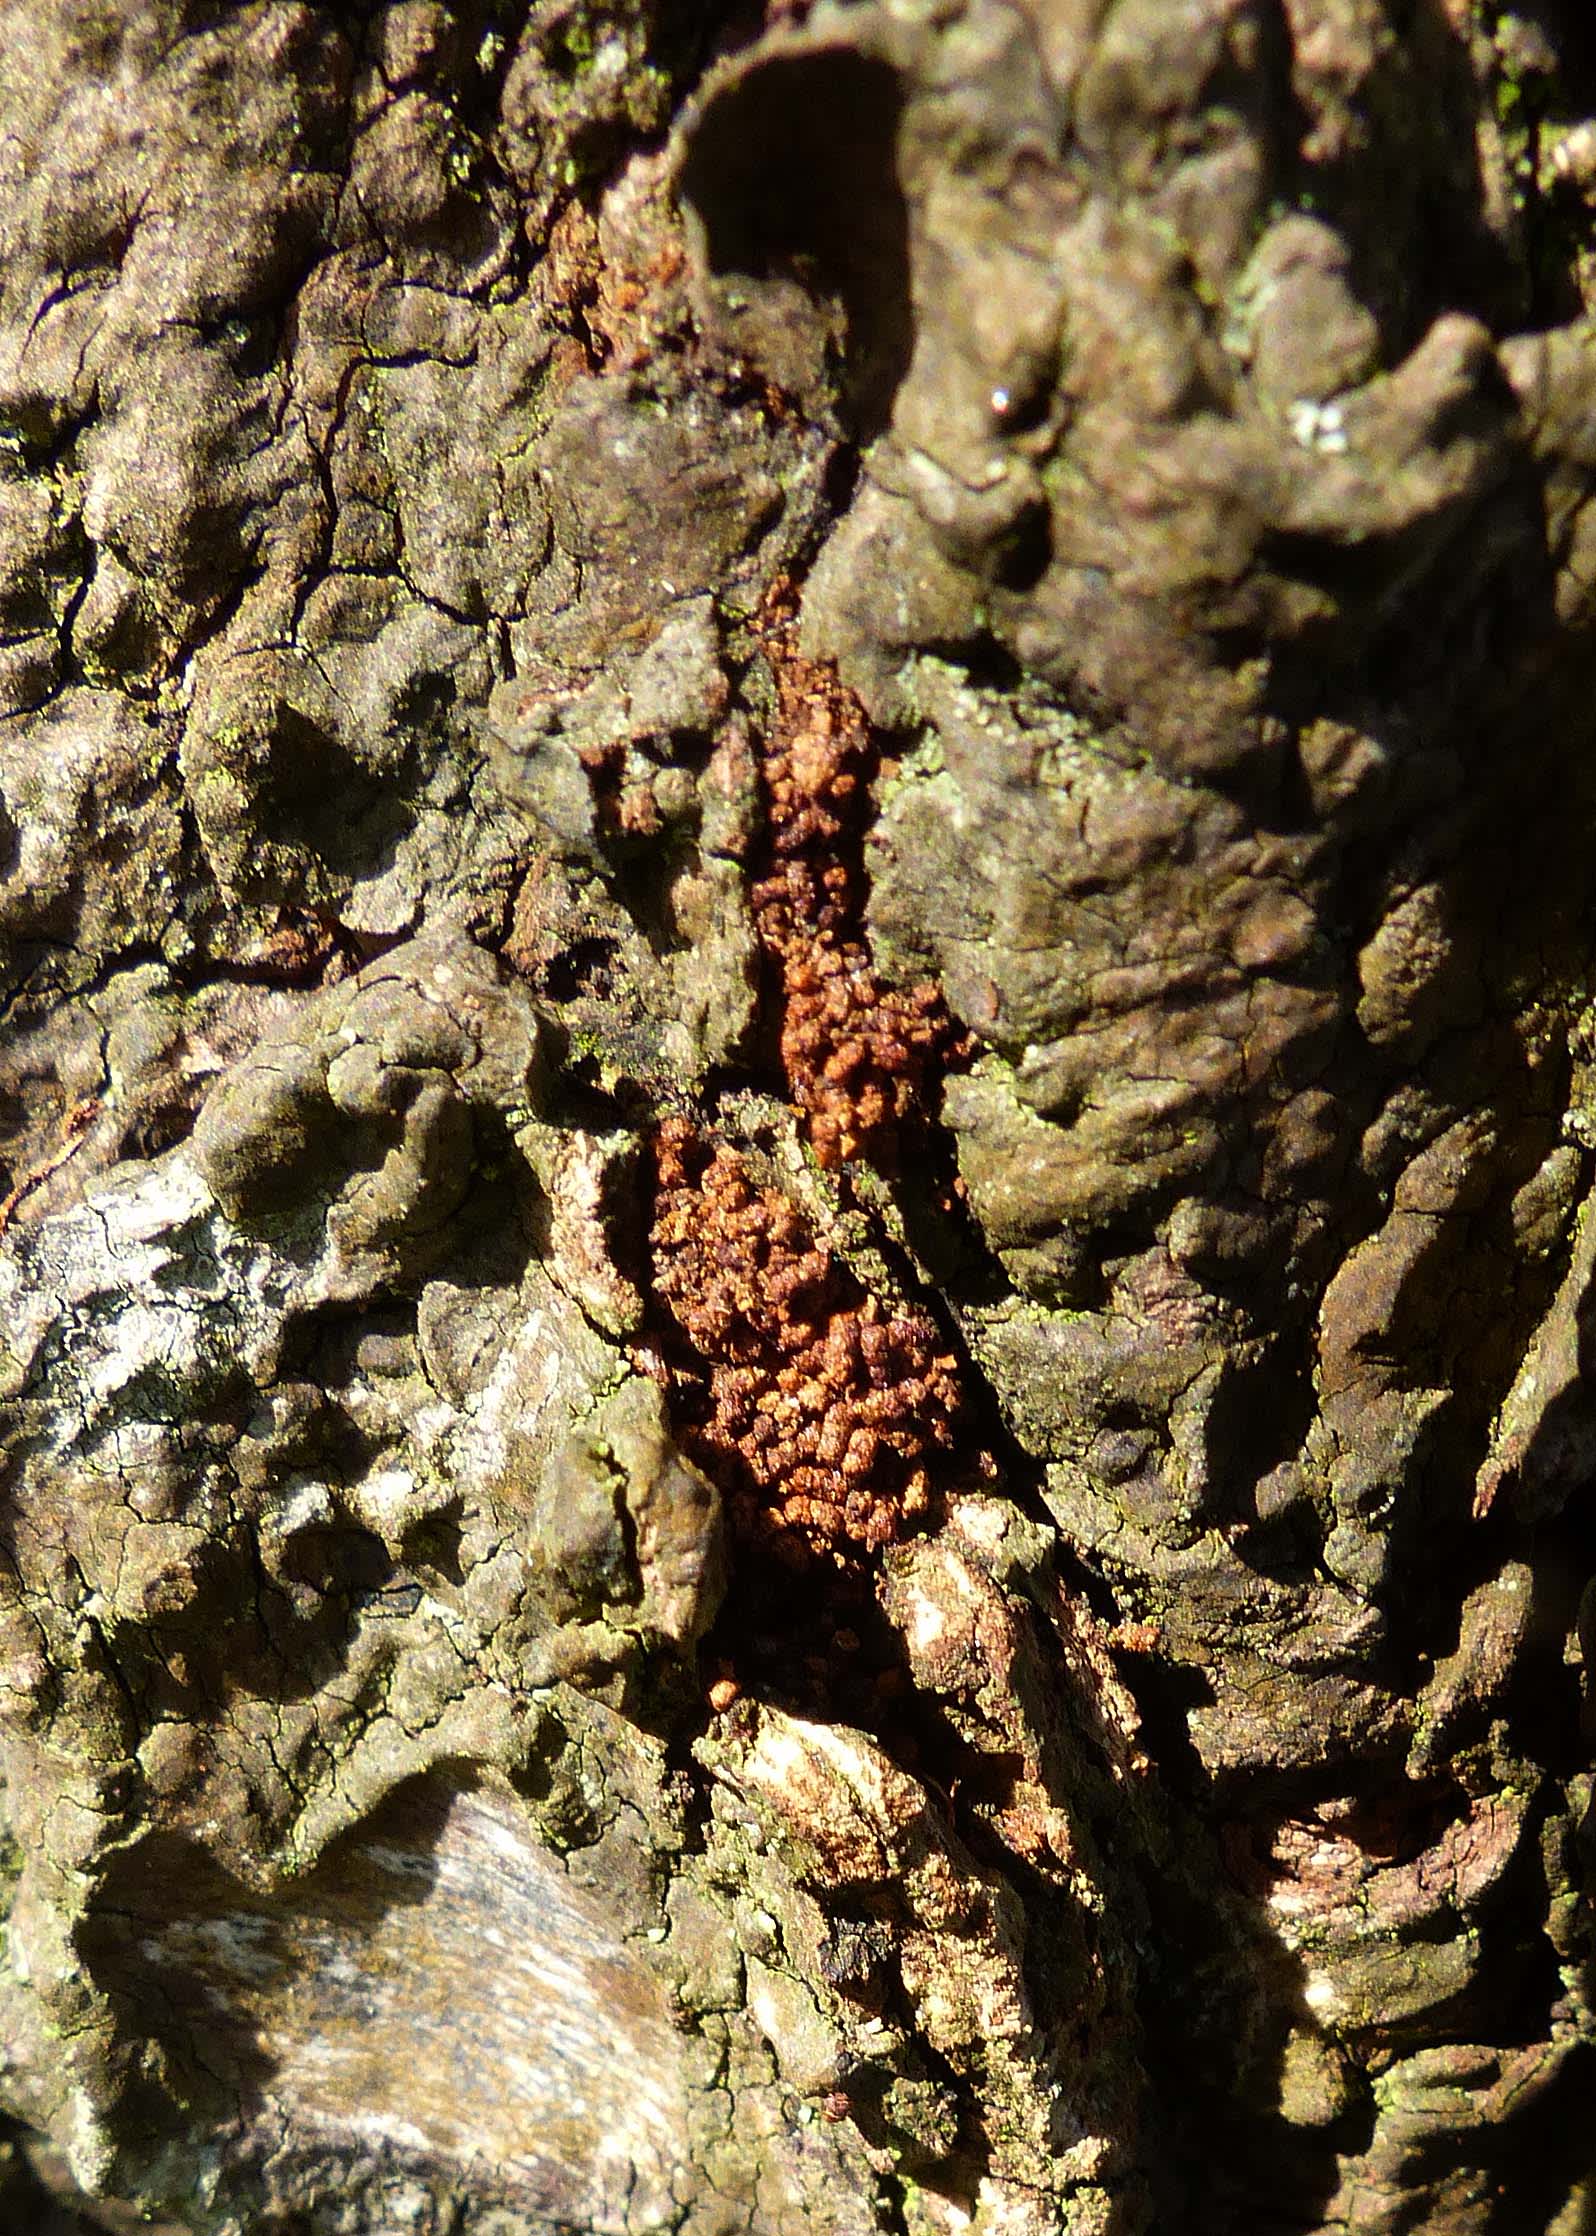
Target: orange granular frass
<point>821,1412</point>
<point>860,1057</point>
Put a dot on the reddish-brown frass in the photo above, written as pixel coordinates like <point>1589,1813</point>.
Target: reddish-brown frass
<point>860,1057</point>
<point>821,1412</point>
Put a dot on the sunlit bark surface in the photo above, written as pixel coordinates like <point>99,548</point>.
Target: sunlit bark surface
<point>796,1117</point>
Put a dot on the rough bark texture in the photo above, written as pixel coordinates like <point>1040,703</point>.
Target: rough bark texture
<point>798,1085</point>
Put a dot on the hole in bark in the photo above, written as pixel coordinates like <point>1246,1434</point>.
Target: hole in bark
<point>154,1131</point>
<point>585,967</point>
<point>351,1563</point>
<point>792,173</point>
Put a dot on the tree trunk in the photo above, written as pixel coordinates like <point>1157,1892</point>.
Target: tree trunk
<point>799,1101</point>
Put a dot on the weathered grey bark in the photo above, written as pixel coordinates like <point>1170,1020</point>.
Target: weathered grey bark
<point>797,1083</point>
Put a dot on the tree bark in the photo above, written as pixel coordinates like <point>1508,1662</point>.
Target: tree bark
<point>797,1100</point>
